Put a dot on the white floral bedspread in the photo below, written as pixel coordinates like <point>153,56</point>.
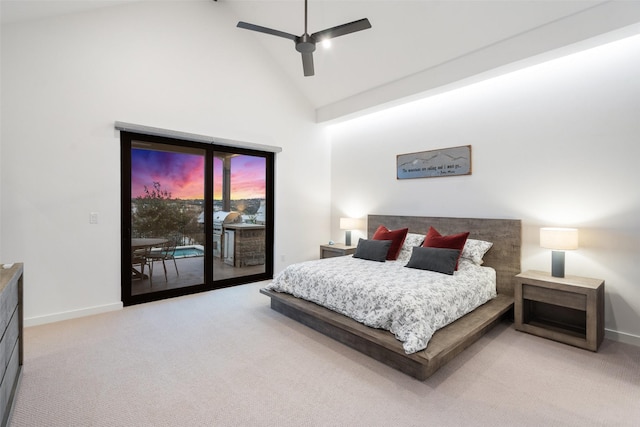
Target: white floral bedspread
<point>410,303</point>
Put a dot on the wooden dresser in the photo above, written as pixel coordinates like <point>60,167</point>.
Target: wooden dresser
<point>11,348</point>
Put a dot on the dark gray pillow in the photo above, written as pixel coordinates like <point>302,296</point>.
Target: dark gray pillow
<point>439,260</point>
<point>373,250</point>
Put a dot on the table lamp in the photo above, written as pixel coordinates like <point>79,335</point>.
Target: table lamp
<point>559,240</point>
<point>348,224</point>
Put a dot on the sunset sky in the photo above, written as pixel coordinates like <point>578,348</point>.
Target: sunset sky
<point>183,175</point>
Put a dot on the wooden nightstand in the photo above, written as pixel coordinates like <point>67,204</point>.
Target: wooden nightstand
<point>567,309</point>
<point>337,249</point>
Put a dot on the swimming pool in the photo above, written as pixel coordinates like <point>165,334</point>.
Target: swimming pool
<point>188,251</point>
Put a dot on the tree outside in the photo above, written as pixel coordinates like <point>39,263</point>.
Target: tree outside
<point>157,214</point>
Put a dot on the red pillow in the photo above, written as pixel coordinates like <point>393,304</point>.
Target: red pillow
<point>453,241</point>
<point>397,239</point>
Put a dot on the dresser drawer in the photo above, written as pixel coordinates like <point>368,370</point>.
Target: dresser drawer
<point>9,383</point>
<point>8,304</point>
<point>8,341</point>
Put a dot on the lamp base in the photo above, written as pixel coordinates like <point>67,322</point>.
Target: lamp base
<point>557,263</point>
<point>347,237</point>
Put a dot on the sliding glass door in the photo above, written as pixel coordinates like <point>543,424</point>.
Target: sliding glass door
<point>195,217</point>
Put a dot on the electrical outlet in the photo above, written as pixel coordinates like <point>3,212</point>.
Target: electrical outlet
<point>93,218</point>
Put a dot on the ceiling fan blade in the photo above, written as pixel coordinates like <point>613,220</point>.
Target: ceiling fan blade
<point>307,64</point>
<point>341,30</point>
<point>266,30</point>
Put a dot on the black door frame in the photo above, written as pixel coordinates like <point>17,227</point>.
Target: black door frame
<point>126,139</point>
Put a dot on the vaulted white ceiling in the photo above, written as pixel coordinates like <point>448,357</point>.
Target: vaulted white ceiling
<point>413,46</point>
<point>406,36</point>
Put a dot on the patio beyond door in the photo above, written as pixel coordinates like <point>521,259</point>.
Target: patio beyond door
<point>167,199</point>
<point>239,214</point>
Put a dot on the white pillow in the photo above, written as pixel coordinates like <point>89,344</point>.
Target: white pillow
<point>412,240</point>
<point>474,250</point>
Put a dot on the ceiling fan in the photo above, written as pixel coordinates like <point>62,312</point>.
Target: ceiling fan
<point>306,43</point>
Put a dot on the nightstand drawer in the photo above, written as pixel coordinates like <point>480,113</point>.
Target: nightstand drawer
<point>554,296</point>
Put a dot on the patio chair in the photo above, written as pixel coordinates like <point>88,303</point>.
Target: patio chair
<point>166,253</point>
<point>139,258</point>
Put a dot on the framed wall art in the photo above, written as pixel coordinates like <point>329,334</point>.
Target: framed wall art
<point>435,163</point>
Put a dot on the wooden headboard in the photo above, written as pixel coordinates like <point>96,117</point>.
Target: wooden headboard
<point>505,234</point>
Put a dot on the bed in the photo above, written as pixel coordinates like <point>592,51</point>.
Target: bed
<point>450,340</point>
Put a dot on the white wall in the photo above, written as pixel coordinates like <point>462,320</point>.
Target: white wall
<point>555,145</point>
<point>175,65</point>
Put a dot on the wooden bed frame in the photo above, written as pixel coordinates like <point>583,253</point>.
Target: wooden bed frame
<point>447,342</point>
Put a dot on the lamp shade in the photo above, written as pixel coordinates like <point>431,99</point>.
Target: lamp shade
<point>560,239</point>
<point>349,223</point>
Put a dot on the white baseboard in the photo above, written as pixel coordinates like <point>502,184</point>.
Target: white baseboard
<point>622,337</point>
<point>66,315</point>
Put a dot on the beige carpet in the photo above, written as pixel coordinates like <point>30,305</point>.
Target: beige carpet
<point>223,358</point>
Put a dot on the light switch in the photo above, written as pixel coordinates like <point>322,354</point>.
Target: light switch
<point>93,218</point>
